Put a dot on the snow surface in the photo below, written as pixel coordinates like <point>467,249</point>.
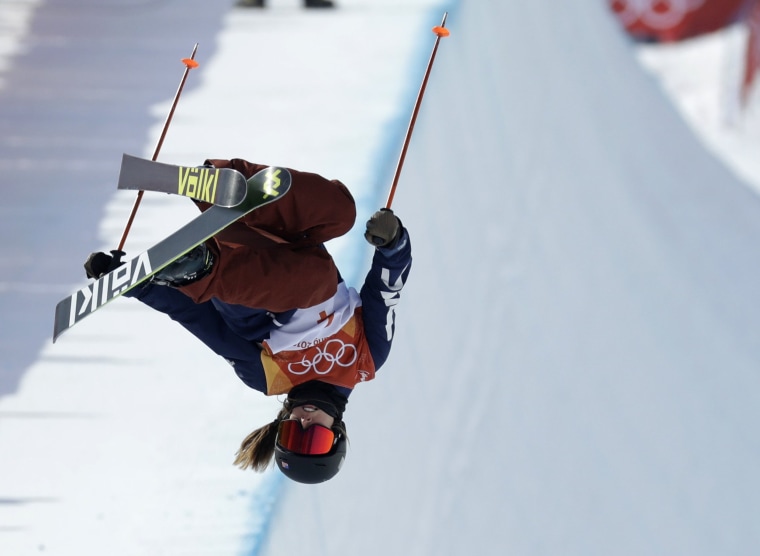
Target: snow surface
<point>576,365</point>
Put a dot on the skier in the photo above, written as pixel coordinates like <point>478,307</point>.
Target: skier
<point>266,295</point>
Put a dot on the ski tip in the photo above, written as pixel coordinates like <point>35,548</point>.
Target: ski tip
<point>190,63</point>
<point>441,31</point>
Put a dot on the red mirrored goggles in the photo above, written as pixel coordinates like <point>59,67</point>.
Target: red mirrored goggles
<point>316,440</point>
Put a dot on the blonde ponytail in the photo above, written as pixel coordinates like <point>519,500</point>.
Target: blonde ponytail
<point>257,449</point>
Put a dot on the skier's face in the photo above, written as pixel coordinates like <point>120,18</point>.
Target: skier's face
<point>311,415</point>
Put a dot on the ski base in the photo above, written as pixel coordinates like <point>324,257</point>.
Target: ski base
<point>263,188</point>
<point>224,187</point>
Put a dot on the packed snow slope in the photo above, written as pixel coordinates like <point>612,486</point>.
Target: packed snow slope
<point>577,362</point>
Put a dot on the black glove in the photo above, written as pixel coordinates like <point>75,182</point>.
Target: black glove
<point>383,229</point>
<point>98,264</point>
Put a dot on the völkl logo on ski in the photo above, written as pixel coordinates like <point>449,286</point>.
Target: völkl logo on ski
<point>198,183</point>
<point>100,292</point>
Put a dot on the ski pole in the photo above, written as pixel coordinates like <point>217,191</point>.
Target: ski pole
<point>190,63</point>
<point>440,32</point>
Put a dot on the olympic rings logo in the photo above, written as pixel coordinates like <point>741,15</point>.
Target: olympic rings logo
<point>335,352</point>
<point>658,14</point>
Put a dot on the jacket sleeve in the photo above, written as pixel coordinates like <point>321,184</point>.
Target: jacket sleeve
<point>205,323</point>
<point>381,293</point>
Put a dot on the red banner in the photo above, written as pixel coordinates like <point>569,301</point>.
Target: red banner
<point>674,20</point>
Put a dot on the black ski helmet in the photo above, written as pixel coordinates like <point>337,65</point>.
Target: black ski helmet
<point>311,469</point>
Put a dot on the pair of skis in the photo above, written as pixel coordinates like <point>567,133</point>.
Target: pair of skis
<point>232,197</point>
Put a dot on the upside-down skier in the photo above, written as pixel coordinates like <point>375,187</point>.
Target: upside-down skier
<point>266,295</point>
